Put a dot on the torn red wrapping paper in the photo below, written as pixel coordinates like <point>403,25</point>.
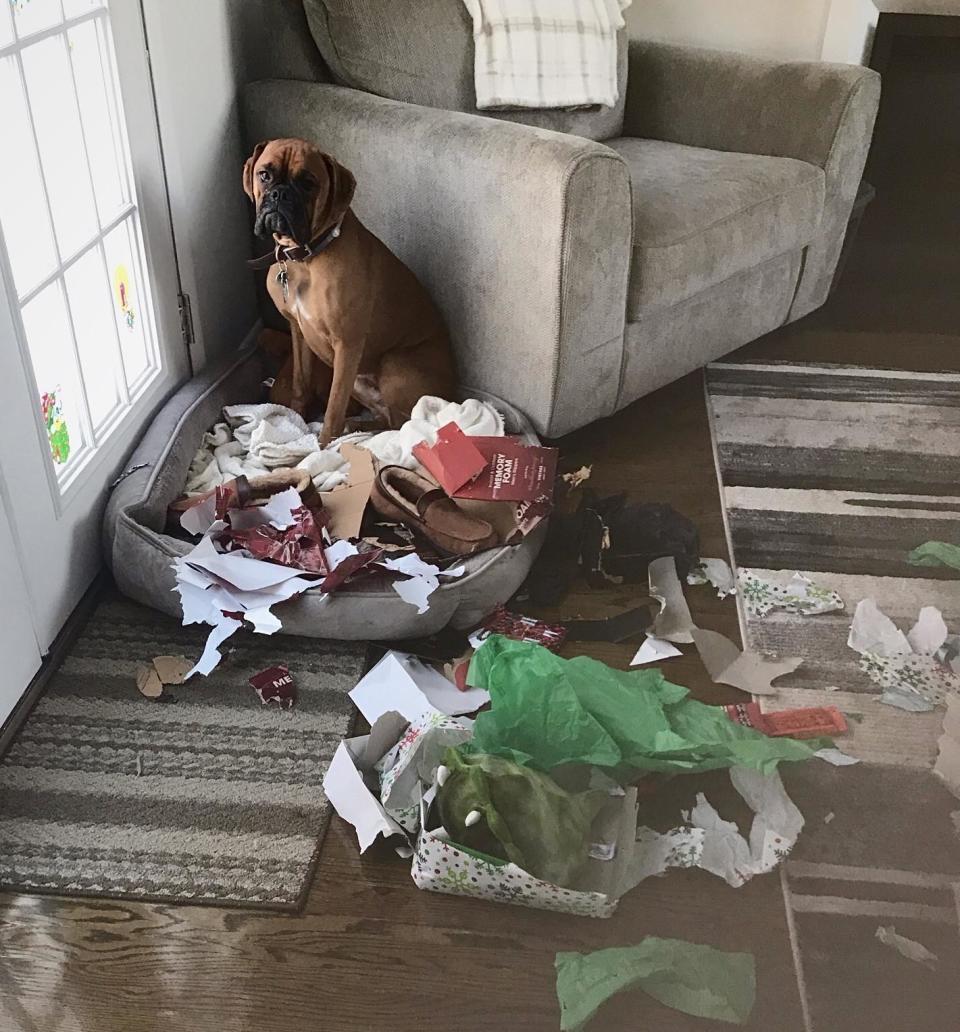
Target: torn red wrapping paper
<point>454,460</point>
<point>300,546</point>
<point>512,471</point>
<point>807,722</point>
<point>346,568</point>
<point>525,628</point>
<point>275,685</point>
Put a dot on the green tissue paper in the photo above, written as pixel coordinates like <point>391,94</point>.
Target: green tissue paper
<point>547,711</point>
<point>935,553</point>
<point>686,976</point>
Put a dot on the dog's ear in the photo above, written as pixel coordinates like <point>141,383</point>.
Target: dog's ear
<point>248,169</point>
<point>342,187</point>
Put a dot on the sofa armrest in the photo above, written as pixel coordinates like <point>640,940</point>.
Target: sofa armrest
<point>522,236</point>
<point>817,112</point>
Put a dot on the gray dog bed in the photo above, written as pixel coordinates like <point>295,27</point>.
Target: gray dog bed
<point>140,554</point>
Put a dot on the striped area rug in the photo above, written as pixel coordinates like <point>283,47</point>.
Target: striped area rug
<point>210,798</point>
<point>837,473</point>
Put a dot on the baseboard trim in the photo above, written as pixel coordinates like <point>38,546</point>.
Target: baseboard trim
<point>52,661</point>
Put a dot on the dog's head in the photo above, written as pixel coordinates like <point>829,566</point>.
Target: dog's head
<point>299,191</point>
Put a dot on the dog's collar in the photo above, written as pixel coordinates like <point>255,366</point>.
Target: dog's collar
<point>300,252</point>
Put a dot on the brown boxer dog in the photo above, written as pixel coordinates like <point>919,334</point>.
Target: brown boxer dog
<point>350,302</point>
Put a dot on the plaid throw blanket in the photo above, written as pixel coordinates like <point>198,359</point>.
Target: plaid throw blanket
<point>546,53</point>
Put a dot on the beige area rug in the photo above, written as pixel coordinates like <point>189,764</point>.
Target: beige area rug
<point>210,797</point>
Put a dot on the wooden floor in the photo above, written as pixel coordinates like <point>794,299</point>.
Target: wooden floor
<point>370,951</point>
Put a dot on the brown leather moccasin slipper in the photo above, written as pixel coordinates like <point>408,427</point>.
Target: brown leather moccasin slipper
<point>409,498</point>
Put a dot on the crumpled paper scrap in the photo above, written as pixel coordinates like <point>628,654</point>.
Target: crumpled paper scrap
<point>689,977</point>
<point>799,595</point>
<point>904,665</point>
<point>777,824</point>
<point>909,948</point>
<point>716,572</point>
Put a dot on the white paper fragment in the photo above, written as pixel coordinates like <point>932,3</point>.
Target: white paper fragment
<point>402,683</point>
<point>263,621</point>
<point>776,826</point>
<point>673,622</point>
<point>222,630</point>
<point>828,818</point>
<point>928,633</point>
<point>423,579</point>
<point>350,797</point>
<point>653,650</point>
<point>716,572</point>
<point>279,510</point>
<point>748,671</point>
<point>762,593</point>
<point>836,757</point>
<point>339,551</point>
<point>872,631</point>
<point>909,948</point>
<point>198,518</point>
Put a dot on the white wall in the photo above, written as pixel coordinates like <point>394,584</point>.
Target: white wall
<point>808,30</point>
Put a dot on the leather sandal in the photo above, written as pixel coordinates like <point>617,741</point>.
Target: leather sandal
<point>409,498</point>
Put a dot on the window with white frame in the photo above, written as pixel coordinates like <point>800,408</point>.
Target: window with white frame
<point>71,249</point>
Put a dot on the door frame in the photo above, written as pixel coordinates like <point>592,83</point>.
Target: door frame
<point>86,495</point>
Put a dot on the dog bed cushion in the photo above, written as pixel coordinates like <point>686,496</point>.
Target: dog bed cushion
<point>141,554</point>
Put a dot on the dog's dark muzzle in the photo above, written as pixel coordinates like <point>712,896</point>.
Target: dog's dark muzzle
<point>282,210</point>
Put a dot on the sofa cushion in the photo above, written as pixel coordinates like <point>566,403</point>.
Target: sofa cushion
<point>421,52</point>
<point>702,216</point>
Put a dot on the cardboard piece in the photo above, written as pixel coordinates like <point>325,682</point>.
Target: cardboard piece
<point>172,669</point>
<point>808,722</point>
<point>440,865</point>
<point>345,504</point>
<point>453,460</point>
<point>512,472</point>
<point>748,671</point>
<point>673,622</point>
<point>148,683</point>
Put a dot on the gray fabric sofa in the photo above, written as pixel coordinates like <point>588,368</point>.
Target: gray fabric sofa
<point>584,258</point>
